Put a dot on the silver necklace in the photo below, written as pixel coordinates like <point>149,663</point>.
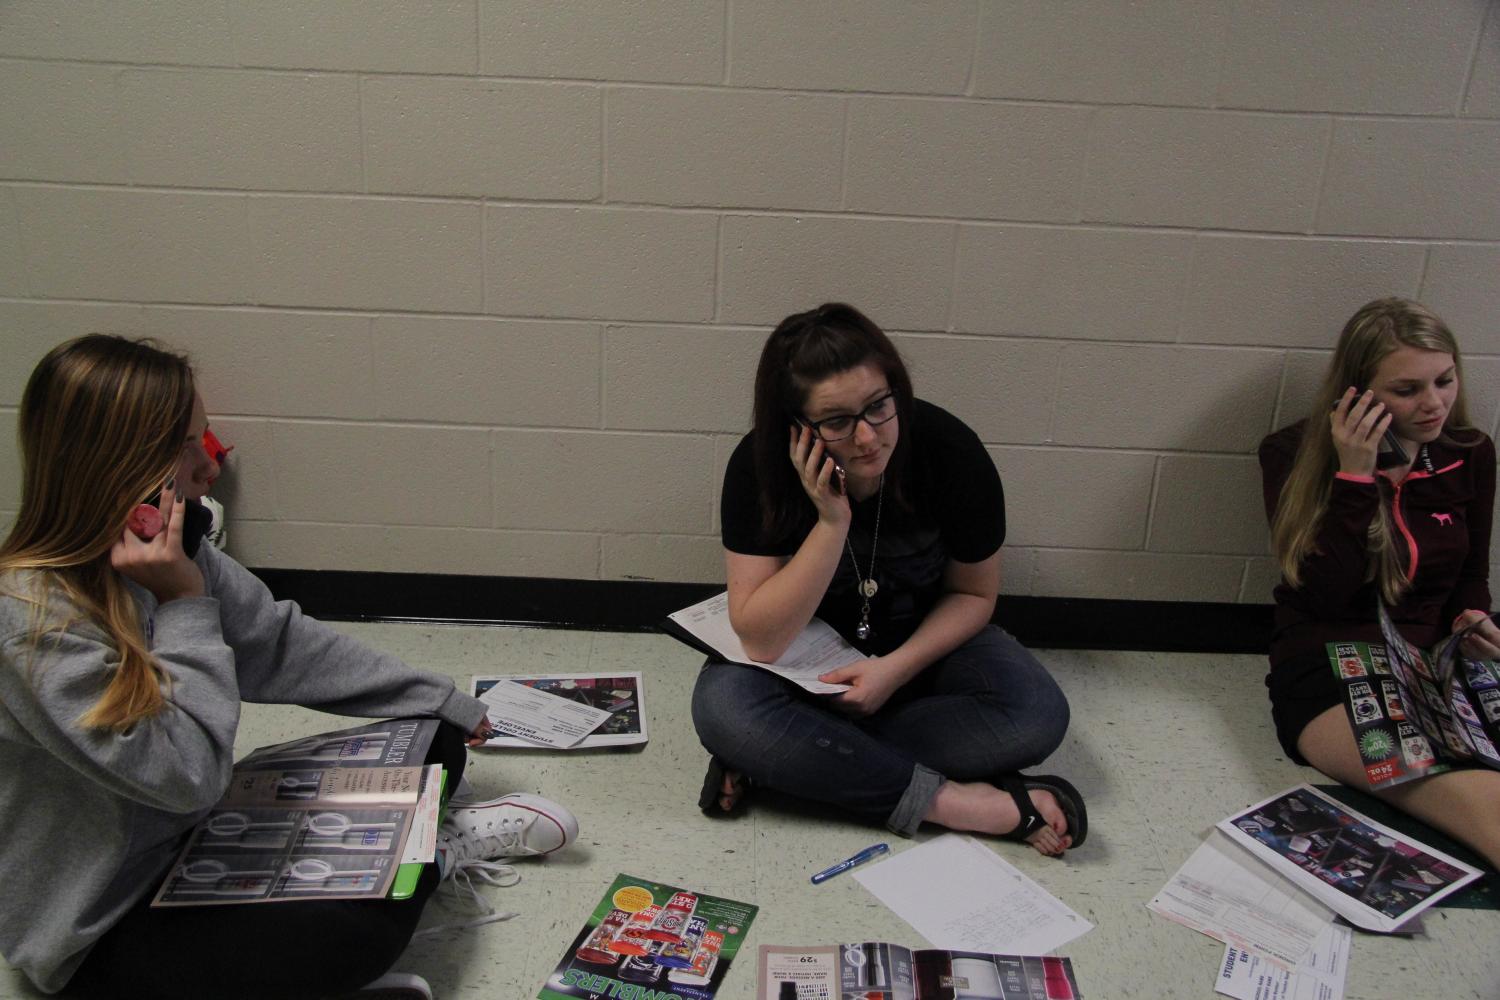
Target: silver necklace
<point>866,584</point>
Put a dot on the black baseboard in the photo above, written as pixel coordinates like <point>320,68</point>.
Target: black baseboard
<point>639,606</point>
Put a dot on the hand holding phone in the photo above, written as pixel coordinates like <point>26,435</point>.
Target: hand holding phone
<point>145,522</point>
<point>161,562</point>
<point>1357,417</point>
<point>821,475</point>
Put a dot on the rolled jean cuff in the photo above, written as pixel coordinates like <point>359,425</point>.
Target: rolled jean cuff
<point>915,801</point>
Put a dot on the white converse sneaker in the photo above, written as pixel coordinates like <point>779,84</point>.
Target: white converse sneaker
<point>517,825</point>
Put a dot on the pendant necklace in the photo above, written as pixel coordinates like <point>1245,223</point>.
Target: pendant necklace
<point>866,584</point>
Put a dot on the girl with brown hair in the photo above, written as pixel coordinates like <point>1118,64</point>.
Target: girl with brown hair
<point>883,515</point>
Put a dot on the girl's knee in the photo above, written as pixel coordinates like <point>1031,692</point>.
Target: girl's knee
<point>722,696</point>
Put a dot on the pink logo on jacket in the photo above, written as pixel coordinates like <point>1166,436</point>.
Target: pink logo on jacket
<point>1443,518</point>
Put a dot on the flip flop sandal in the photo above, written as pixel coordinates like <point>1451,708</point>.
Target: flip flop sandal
<point>1068,800</point>
<point>713,790</point>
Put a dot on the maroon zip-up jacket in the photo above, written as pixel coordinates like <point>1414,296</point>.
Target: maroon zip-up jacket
<point>1442,512</point>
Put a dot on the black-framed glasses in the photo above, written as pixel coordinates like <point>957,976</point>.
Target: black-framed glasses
<point>839,427</point>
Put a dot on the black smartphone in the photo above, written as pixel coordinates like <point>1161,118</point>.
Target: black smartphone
<point>1390,455</point>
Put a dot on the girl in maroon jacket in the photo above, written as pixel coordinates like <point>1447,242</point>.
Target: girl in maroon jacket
<point>1353,520</point>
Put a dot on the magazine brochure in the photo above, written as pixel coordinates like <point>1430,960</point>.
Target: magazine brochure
<point>622,696</point>
<point>650,941</point>
<point>1367,873</point>
<point>817,650</point>
<point>324,817</point>
<point>1417,712</point>
<point>875,970</point>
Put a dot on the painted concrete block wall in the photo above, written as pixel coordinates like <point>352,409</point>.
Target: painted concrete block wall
<point>478,286</point>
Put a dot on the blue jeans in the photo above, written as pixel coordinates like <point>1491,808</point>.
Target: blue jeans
<point>985,709</point>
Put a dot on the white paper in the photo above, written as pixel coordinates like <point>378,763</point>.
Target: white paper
<point>960,895</point>
<point>540,716</point>
<point>620,693</point>
<point>421,842</point>
<point>817,650</point>
<point>1223,892</point>
<point>1245,975</point>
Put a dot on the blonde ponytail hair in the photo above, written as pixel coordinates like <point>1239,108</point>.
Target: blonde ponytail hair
<point>102,423</point>
<point>1378,329</point>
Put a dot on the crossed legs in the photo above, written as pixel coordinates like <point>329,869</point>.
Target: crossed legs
<point>985,709</point>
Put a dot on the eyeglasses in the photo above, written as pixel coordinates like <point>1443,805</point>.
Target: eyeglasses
<point>837,428</point>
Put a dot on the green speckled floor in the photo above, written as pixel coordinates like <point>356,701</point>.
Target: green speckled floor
<point>1162,746</point>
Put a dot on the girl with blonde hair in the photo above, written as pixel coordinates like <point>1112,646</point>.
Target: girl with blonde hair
<point>1384,493</point>
<point>124,656</point>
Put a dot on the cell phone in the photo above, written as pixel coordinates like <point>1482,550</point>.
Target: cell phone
<point>197,525</point>
<point>1390,454</point>
<point>835,481</point>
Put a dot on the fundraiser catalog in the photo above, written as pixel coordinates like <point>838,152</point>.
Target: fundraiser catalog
<point>324,817</point>
<point>647,940</point>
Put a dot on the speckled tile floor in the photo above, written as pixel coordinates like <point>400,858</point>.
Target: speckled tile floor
<point>1162,745</point>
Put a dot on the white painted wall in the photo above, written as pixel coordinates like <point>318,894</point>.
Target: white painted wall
<point>477,287</point>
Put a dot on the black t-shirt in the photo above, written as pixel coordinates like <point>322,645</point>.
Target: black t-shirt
<point>957,511</point>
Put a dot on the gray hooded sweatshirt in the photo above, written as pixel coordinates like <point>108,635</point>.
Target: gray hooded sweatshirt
<point>91,820</point>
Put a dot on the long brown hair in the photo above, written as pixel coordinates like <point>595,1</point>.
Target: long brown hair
<point>102,423</point>
<point>804,349</point>
<point>1374,332</point>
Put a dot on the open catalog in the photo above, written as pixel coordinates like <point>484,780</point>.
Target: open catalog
<point>333,816</point>
<point>1418,712</point>
<point>878,971</point>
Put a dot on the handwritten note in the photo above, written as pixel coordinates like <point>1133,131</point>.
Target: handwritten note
<point>958,894</point>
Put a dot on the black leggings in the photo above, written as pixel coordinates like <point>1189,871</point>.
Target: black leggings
<point>302,949</point>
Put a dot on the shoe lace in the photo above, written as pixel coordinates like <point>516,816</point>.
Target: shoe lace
<point>489,872</point>
<point>505,842</point>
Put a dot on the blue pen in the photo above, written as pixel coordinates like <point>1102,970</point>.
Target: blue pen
<point>843,866</point>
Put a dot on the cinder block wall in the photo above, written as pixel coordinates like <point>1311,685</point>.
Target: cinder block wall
<point>477,287</point>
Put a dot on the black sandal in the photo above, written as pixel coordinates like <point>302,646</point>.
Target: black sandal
<point>713,790</point>
<point>1068,800</point>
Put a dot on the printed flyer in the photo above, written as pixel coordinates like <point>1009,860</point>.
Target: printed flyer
<point>650,941</point>
<point>1367,873</point>
<point>623,696</point>
<point>875,970</point>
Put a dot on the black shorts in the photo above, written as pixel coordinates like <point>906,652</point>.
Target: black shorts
<point>1301,689</point>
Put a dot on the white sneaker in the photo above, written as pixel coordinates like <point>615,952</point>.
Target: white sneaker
<point>517,825</point>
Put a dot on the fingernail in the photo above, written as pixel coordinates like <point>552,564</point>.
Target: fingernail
<point>179,498</point>
<point>171,482</point>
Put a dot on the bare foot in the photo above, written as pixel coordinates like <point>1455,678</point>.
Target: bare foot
<point>731,791</point>
<point>983,808</point>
